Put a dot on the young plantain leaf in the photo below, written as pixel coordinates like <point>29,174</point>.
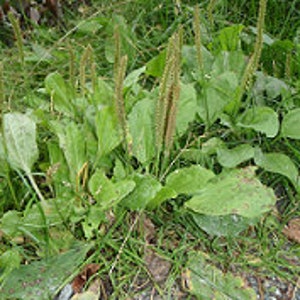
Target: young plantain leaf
<point>19,133</point>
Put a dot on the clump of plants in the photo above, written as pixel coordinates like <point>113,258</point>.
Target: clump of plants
<point>194,127</point>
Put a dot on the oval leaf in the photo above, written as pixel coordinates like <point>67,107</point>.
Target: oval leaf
<point>19,132</point>
<point>141,127</point>
<point>230,158</point>
<point>60,93</point>
<point>290,125</point>
<point>187,107</point>
<point>189,180</point>
<point>261,119</point>
<point>277,163</point>
<point>146,189</point>
<point>235,192</point>
<point>107,130</point>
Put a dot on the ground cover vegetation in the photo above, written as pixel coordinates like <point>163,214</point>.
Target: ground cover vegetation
<point>149,147</point>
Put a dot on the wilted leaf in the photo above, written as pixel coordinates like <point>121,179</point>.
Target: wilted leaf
<point>234,192</point>
<point>290,124</point>
<point>85,275</point>
<point>158,267</point>
<point>230,158</point>
<point>92,293</point>
<point>19,133</point>
<point>41,279</point>
<point>207,282</point>
<point>189,180</point>
<point>261,119</point>
<point>277,163</point>
<point>292,230</point>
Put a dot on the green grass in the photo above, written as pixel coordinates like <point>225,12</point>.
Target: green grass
<point>119,243</point>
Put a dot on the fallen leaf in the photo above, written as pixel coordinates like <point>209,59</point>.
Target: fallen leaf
<point>81,279</point>
<point>92,293</point>
<point>158,267</point>
<point>149,230</point>
<point>292,230</point>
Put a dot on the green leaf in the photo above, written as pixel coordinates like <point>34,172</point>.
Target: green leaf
<point>162,195</point>
<point>290,124</point>
<point>187,108</point>
<point>155,66</point>
<point>141,127</point>
<point>104,94</point>
<point>126,36</point>
<point>218,92</point>
<point>10,260</point>
<point>72,142</point>
<point>106,193</point>
<point>42,279</point>
<point>60,92</point>
<point>228,225</point>
<point>189,57</point>
<point>146,189</point>
<point>4,171</point>
<point>89,27</point>
<point>133,77</point>
<point>207,282</point>
<point>107,130</point>
<point>189,180</point>
<point>229,37</point>
<point>58,172</point>
<point>212,145</point>
<point>233,192</point>
<point>277,163</point>
<point>95,217</point>
<point>234,61</point>
<point>261,119</point>
<point>230,158</point>
<point>19,133</point>
<point>10,223</point>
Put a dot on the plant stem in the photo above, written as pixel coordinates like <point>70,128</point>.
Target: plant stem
<point>35,187</point>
